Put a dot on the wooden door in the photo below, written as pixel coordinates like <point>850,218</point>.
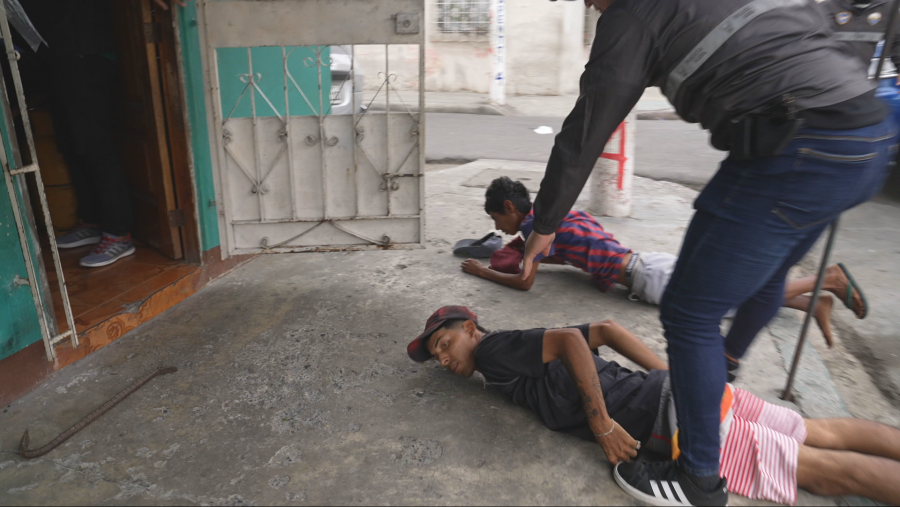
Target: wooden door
<point>145,147</point>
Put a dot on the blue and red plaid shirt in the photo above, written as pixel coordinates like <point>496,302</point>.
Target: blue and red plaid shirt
<point>581,242</point>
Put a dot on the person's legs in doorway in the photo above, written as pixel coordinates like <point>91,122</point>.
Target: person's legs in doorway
<point>100,180</point>
<point>87,231</point>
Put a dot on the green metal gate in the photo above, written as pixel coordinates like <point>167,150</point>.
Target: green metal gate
<point>23,319</point>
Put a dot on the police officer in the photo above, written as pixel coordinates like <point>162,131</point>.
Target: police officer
<point>806,139</point>
<point>861,25</point>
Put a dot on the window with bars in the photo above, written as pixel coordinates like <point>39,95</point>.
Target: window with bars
<point>462,20</point>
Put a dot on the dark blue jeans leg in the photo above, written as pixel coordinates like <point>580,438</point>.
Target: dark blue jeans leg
<point>722,263</point>
<point>757,311</point>
<point>753,221</point>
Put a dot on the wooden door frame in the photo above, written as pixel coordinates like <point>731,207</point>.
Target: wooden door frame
<point>178,131</point>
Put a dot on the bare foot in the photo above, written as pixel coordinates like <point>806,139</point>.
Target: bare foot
<point>823,317</point>
<point>836,282</point>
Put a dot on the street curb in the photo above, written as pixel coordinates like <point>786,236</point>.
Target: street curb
<point>449,161</point>
<point>663,114</point>
<point>495,110</point>
<point>482,109</point>
<point>815,392</point>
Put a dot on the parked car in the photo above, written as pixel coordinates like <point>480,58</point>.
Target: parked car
<point>344,92</point>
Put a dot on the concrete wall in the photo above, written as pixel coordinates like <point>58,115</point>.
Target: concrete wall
<point>458,66</point>
<point>545,47</point>
<point>545,53</point>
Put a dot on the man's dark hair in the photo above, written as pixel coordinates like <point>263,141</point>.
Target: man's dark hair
<point>504,189</point>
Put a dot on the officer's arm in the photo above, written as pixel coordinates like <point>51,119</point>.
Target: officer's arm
<point>895,46</point>
<point>622,58</point>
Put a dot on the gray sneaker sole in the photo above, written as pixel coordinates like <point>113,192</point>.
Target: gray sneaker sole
<point>83,242</point>
<point>126,253</point>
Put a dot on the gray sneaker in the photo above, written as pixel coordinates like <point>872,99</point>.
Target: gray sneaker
<point>81,235</point>
<point>110,249</point>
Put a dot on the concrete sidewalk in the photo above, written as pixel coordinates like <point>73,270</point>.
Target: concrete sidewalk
<point>294,385</point>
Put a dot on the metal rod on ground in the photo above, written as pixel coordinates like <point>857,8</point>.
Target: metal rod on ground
<point>788,394</point>
<point>888,38</point>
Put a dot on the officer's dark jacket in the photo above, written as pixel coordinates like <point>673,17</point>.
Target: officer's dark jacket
<point>785,53</point>
<point>861,28</point>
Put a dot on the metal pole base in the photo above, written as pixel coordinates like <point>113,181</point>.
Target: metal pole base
<point>788,394</point>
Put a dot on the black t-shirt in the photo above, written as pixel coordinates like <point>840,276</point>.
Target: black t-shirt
<point>512,362</point>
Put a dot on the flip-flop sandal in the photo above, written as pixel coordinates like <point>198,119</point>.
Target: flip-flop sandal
<point>848,299</point>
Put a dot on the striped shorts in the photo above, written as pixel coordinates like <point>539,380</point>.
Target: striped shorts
<point>759,455</point>
<point>760,444</point>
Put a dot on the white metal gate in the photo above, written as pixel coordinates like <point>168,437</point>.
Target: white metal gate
<point>317,122</point>
<point>14,175</point>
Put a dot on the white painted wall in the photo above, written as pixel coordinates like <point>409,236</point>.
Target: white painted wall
<point>545,47</point>
<point>458,66</point>
<point>545,53</point>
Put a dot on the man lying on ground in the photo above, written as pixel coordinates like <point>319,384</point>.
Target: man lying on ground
<point>768,451</point>
<point>582,242</point>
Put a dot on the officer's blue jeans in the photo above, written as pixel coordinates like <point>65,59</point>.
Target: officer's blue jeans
<point>754,220</point>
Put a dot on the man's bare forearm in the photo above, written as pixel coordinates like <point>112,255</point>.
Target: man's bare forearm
<point>570,347</point>
<point>621,340</point>
<point>578,362</point>
<point>514,281</point>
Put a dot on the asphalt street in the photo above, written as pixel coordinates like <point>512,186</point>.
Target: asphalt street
<point>667,150</point>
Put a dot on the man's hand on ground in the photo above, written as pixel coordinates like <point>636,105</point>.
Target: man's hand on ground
<point>472,267</point>
<point>165,3</point>
<point>619,446</point>
<point>537,243</point>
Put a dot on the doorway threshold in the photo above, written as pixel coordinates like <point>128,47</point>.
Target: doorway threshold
<point>110,301</point>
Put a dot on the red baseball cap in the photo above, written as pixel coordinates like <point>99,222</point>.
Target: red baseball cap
<point>418,348</point>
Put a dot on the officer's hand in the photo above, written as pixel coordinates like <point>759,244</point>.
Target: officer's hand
<point>898,80</point>
<point>165,6</point>
<point>537,243</point>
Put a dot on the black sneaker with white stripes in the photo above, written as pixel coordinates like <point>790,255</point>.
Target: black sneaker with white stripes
<point>664,483</point>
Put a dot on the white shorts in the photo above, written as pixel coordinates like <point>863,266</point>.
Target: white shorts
<point>651,275</point>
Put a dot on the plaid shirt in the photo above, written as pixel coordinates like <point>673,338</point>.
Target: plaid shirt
<point>582,242</point>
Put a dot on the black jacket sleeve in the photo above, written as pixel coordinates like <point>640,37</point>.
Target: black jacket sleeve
<point>621,63</point>
<point>895,46</point>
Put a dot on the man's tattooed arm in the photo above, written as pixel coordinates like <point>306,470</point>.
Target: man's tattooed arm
<point>570,347</point>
